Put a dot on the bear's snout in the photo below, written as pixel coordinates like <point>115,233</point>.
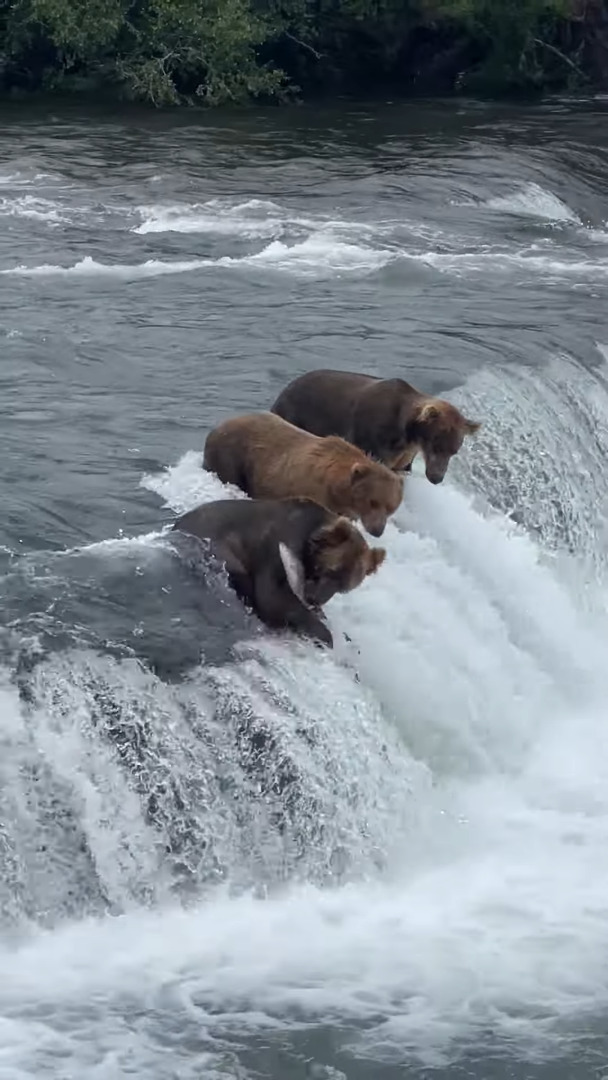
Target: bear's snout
<point>375,528</point>
<point>435,478</point>
<point>435,470</point>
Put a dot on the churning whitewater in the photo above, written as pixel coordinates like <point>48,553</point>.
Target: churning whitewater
<point>225,853</point>
<point>458,787</point>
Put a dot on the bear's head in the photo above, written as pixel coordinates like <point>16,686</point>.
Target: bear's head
<point>375,494</point>
<point>336,559</point>
<point>439,429</point>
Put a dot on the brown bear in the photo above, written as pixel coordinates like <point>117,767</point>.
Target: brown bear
<point>387,418</point>
<point>270,459</point>
<point>285,557</point>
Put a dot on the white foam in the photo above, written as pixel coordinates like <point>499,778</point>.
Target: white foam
<point>34,208</point>
<point>322,253</point>
<point>88,266</point>
<point>186,485</point>
<point>122,543</point>
<point>318,256</point>
<point>598,236</point>
<point>493,917</point>
<point>481,669</point>
<point>255,218</point>
<point>539,455</point>
<point>531,200</point>
<point>322,247</point>
<point>495,912</point>
<point>511,650</point>
<point>20,179</point>
<point>419,962</point>
<point>484,261</point>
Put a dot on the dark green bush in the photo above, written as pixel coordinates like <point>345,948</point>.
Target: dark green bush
<point>229,51</point>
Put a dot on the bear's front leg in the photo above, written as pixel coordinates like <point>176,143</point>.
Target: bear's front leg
<point>279,607</point>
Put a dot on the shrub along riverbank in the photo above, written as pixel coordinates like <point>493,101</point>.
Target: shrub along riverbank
<point>221,51</point>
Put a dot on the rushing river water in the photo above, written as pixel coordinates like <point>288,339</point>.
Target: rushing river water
<point>229,855</point>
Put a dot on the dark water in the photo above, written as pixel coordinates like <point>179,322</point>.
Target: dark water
<point>224,854</point>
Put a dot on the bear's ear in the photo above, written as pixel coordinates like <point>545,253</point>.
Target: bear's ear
<point>471,426</point>
<point>294,572</point>
<point>339,532</point>
<point>376,558</point>
<point>429,411</point>
<point>359,471</point>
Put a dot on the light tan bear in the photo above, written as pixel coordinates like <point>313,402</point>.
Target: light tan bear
<point>270,459</point>
<point>387,418</point>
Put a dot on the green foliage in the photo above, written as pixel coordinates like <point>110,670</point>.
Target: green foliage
<point>228,51</point>
<point>162,51</point>
<point>79,26</point>
<point>208,47</point>
<point>513,35</point>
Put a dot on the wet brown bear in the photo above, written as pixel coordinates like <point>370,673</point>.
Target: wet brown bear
<point>270,459</point>
<point>387,418</point>
<point>285,557</point>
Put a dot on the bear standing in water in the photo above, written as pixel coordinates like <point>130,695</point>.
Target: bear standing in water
<point>285,558</point>
<point>387,418</point>
<point>271,459</point>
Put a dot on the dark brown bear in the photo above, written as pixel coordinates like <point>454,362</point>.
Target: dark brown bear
<point>387,418</point>
<point>285,558</point>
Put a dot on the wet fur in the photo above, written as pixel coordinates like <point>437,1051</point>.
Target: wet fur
<point>267,457</point>
<point>388,419</point>
<point>326,552</point>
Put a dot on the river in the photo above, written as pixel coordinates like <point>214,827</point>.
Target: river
<point>226,854</point>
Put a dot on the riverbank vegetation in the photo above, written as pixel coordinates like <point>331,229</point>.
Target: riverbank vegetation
<point>221,51</point>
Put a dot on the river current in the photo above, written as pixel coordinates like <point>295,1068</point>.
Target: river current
<point>223,853</point>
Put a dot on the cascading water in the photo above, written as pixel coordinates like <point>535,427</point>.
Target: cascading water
<point>444,771</point>
<point>229,854</point>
